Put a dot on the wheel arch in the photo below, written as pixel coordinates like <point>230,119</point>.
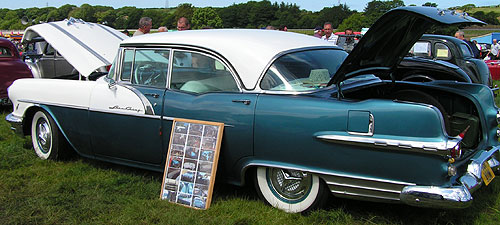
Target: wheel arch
<point>28,119</point>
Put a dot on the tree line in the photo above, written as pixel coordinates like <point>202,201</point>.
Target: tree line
<point>252,14</point>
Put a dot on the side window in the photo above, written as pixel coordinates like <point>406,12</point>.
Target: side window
<point>422,49</point>
<point>128,58</point>
<point>5,52</point>
<point>442,51</point>
<point>150,67</point>
<point>466,50</point>
<point>200,73</point>
<point>49,50</point>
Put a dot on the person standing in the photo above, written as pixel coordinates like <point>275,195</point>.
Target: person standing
<point>461,35</point>
<point>318,32</point>
<point>145,24</point>
<point>329,36</point>
<point>495,50</point>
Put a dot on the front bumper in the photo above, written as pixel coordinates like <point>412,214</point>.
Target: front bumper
<point>16,123</point>
<point>458,196</point>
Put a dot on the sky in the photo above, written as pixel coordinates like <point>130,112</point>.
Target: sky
<point>311,5</point>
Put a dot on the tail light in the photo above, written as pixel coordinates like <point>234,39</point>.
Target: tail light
<point>109,67</point>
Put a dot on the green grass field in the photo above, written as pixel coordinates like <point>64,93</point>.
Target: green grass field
<point>83,191</point>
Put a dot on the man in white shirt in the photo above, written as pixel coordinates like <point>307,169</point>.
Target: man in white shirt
<point>495,50</point>
<point>145,24</point>
<point>329,36</point>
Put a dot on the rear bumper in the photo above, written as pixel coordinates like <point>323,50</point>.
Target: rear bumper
<point>16,123</point>
<point>458,196</point>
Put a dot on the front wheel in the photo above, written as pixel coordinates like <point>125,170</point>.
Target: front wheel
<point>46,138</point>
<point>290,190</point>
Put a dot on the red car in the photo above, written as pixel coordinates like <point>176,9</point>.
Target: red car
<point>494,66</point>
<point>11,67</point>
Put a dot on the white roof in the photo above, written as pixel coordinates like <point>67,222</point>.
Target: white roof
<point>249,51</point>
<point>86,46</point>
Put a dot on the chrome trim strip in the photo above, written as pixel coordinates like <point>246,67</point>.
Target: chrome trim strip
<point>75,39</point>
<point>54,104</point>
<point>321,173</point>
<point>363,195</point>
<point>124,113</point>
<point>148,108</point>
<point>363,187</point>
<point>106,29</point>
<point>440,147</point>
<point>167,118</point>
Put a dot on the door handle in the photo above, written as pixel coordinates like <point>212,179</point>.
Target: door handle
<point>152,95</point>
<point>244,101</point>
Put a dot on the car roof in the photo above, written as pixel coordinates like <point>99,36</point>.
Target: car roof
<point>248,50</point>
<point>442,37</point>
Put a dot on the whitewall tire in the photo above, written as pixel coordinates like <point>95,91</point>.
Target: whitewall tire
<point>45,136</point>
<point>290,190</point>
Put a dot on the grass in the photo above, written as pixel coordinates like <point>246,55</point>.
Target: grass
<point>83,191</point>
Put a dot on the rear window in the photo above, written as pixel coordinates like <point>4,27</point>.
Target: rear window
<point>303,71</point>
<point>5,52</point>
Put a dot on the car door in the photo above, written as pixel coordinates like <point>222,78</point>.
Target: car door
<point>205,88</point>
<point>125,116</point>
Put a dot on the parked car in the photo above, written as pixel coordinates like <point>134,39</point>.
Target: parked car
<point>414,68</point>
<point>302,117</point>
<point>63,49</point>
<point>494,67</point>
<point>11,68</point>
<point>455,51</point>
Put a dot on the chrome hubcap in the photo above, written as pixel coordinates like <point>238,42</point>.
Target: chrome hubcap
<point>44,135</point>
<point>290,184</point>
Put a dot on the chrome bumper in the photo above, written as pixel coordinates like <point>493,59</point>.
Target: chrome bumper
<point>16,123</point>
<point>454,197</point>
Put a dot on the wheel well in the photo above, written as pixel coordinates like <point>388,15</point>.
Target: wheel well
<point>28,117</point>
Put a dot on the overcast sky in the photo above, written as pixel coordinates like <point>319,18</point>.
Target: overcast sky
<point>311,5</point>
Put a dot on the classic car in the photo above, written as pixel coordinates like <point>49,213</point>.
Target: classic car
<point>62,49</point>
<point>414,68</point>
<point>494,67</point>
<point>303,119</point>
<point>453,50</point>
<point>11,68</point>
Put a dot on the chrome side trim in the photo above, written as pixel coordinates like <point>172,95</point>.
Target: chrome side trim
<point>167,118</point>
<point>322,173</point>
<point>434,147</point>
<point>54,104</point>
<point>148,108</point>
<point>362,196</point>
<point>124,113</point>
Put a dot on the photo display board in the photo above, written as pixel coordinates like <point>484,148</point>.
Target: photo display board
<point>191,162</point>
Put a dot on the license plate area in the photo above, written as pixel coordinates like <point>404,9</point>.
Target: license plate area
<point>487,173</point>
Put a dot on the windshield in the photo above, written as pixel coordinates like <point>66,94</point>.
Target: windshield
<point>303,71</point>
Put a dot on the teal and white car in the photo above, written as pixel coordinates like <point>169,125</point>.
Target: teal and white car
<point>303,119</point>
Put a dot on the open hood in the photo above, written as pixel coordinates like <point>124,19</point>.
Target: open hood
<point>86,46</point>
<point>390,38</point>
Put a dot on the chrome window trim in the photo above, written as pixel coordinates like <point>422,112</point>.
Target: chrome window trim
<point>198,49</point>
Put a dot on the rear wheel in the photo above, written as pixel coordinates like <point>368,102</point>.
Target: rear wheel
<point>47,139</point>
<point>290,190</point>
